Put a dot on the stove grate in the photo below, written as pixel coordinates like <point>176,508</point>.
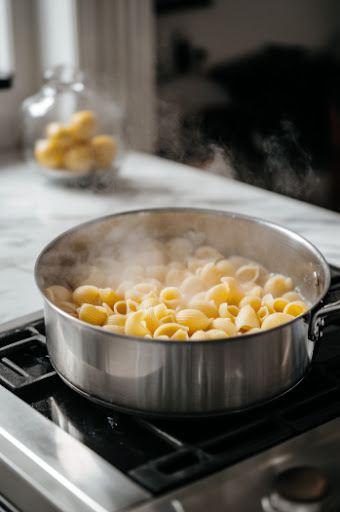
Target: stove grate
<point>23,357</point>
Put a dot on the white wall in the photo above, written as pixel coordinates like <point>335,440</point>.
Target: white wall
<point>44,35</point>
<point>6,38</point>
<point>117,37</point>
<point>228,28</point>
<point>57,32</point>
<point>26,78</point>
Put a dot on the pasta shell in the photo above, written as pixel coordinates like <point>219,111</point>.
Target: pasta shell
<point>134,295</point>
<point>254,302</point>
<point>228,311</point>
<point>207,307</point>
<point>277,285</point>
<point>262,314</point>
<point>291,296</point>
<point>149,303</point>
<point>247,319</point>
<point>135,324</point>
<point>213,334</point>
<point>192,285</point>
<point>295,308</point>
<point>206,252</point>
<point>58,293</point>
<point>160,311</point>
<point>279,304</point>
<point>68,307</point>
<point>218,294</point>
<point>108,295</point>
<point>199,297</point>
<point>171,296</point>
<point>152,322</point>
<point>120,307</point>
<point>95,315</point>
<point>107,308</point>
<point>247,273</point>
<point>209,274</point>
<point>253,330</point>
<point>131,306</point>
<point>86,294</point>
<point>225,268</point>
<point>199,335</point>
<point>235,292</point>
<point>169,319</point>
<point>145,288</point>
<point>168,329</point>
<point>276,319</point>
<point>225,325</point>
<point>268,300</point>
<point>193,319</point>
<point>257,291</point>
<point>118,320</point>
<point>180,335</point>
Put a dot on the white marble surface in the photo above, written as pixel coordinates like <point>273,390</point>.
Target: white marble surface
<point>33,211</point>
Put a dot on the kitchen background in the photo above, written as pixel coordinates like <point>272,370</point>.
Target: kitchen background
<point>241,88</point>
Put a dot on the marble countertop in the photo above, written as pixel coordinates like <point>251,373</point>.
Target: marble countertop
<point>34,210</point>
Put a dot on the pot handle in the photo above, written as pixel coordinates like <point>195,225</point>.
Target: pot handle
<point>321,317</point>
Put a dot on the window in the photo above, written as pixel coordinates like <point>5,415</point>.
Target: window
<point>6,45</point>
<point>108,36</point>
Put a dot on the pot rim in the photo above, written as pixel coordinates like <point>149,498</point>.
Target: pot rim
<point>221,213</point>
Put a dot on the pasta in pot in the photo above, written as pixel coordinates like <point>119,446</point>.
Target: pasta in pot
<point>184,293</point>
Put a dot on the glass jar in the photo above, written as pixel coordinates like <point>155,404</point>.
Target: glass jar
<point>73,128</point>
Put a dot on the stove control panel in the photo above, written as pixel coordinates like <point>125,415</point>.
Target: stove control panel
<point>299,475</point>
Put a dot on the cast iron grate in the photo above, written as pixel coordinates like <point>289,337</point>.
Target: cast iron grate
<point>23,357</point>
<point>163,454</point>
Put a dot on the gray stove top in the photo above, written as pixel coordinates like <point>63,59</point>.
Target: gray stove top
<point>44,468</point>
<point>54,471</point>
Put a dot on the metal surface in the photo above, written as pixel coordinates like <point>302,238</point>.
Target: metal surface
<point>20,321</point>
<point>299,489</point>
<point>246,486</point>
<point>176,377</point>
<point>330,311</point>
<point>43,468</point>
<point>54,472</point>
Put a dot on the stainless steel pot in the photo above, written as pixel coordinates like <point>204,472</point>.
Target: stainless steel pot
<point>183,378</point>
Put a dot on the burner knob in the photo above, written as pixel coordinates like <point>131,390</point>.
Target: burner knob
<point>299,489</point>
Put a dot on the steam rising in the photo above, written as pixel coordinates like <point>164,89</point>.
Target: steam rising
<point>108,251</point>
<point>185,141</point>
<point>287,165</point>
<point>276,160</point>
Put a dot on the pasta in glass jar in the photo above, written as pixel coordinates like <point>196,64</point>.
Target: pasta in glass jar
<point>72,128</point>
